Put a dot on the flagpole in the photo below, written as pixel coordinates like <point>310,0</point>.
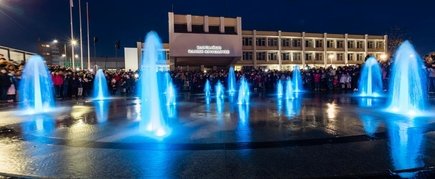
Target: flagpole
<point>71,4</point>
<point>81,35</point>
<point>87,24</point>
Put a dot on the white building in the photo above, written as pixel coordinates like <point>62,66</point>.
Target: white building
<point>203,41</point>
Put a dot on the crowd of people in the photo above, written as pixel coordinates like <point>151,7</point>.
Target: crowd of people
<point>70,84</point>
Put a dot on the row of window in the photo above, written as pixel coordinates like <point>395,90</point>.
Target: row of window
<point>182,28</point>
<point>297,56</point>
<point>310,43</point>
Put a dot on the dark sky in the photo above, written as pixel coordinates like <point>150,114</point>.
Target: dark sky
<point>23,22</point>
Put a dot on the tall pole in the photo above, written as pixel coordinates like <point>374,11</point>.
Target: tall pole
<point>81,35</point>
<point>71,5</point>
<point>87,24</point>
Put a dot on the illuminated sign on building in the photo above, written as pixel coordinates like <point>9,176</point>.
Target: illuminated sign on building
<point>207,49</point>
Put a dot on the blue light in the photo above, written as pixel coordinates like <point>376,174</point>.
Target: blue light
<point>408,82</point>
<point>244,92</point>
<point>279,89</point>
<point>36,87</point>
<point>219,90</point>
<point>207,91</point>
<point>297,80</point>
<point>152,87</point>
<point>101,91</point>
<point>289,90</point>
<point>231,82</point>
<point>370,83</point>
<point>406,140</point>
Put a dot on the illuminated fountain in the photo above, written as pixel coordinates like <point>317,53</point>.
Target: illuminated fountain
<point>279,89</point>
<point>36,88</point>
<point>207,91</point>
<point>297,80</point>
<point>101,91</point>
<point>408,82</point>
<point>231,82</point>
<point>370,83</point>
<point>171,94</point>
<point>289,89</point>
<point>219,90</point>
<point>151,88</point>
<point>244,92</point>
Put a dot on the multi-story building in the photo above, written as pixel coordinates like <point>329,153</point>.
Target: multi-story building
<point>203,41</point>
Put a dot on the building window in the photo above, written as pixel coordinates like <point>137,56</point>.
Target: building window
<point>309,43</point>
<point>380,45</point>
<point>360,45</point>
<point>297,56</point>
<point>261,41</point>
<point>247,55</point>
<point>319,43</point>
<point>340,56</point>
<point>272,42</point>
<point>371,45</point>
<point>247,41</point>
<point>330,44</point>
<point>285,42</point>
<point>308,56</point>
<point>182,28</point>
<point>214,29</point>
<point>297,42</point>
<point>230,30</point>
<point>285,56</point>
<point>350,44</point>
<point>272,56</point>
<point>319,57</point>
<point>340,44</point>
<point>198,28</point>
<point>261,55</point>
<point>359,57</point>
<point>350,57</point>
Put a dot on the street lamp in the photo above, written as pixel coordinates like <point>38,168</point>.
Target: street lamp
<point>73,42</point>
<point>384,57</point>
<point>55,41</point>
<point>330,57</point>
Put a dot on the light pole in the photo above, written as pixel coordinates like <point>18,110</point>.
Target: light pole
<point>73,44</point>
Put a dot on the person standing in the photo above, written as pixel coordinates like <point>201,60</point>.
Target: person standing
<point>431,86</point>
<point>5,83</point>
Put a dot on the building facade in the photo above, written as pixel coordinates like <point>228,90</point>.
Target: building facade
<point>15,54</point>
<point>203,41</point>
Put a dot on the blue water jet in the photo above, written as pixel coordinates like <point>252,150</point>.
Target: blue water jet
<point>244,92</point>
<point>101,91</point>
<point>297,80</point>
<point>207,91</point>
<point>408,82</point>
<point>152,87</point>
<point>171,94</point>
<point>289,89</point>
<point>219,89</point>
<point>370,83</point>
<point>279,89</point>
<point>36,87</point>
<point>231,82</point>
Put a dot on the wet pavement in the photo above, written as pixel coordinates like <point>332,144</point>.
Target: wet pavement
<point>314,135</point>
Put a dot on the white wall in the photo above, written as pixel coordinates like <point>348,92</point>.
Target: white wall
<point>131,59</point>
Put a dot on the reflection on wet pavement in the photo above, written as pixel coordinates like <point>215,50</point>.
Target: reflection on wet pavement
<point>308,136</point>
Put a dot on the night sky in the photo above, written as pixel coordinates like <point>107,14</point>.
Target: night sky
<point>24,22</point>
